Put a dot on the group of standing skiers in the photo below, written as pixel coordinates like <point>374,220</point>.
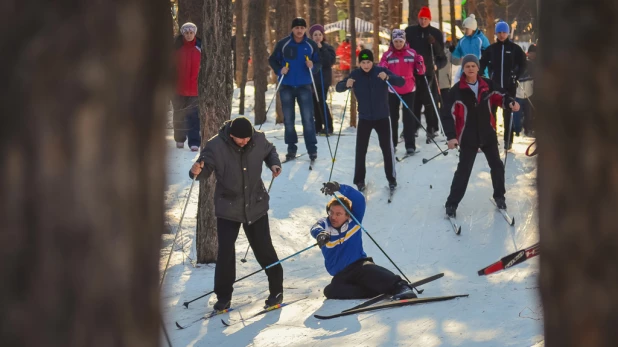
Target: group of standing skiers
<point>405,76</point>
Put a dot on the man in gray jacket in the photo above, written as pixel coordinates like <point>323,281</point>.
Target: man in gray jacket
<point>236,155</point>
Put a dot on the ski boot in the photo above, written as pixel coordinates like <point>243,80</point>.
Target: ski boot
<point>313,156</point>
<point>273,300</point>
<point>500,203</point>
<point>451,211</point>
<point>222,304</point>
<point>403,291</point>
<point>290,156</point>
<point>392,185</point>
<point>410,151</point>
<point>360,186</point>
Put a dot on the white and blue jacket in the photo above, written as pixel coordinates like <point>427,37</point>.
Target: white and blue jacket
<point>346,243</point>
<point>293,53</point>
<point>474,44</point>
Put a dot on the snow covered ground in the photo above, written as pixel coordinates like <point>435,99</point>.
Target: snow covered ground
<point>502,309</point>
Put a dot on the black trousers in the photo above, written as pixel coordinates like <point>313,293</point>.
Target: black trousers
<point>362,279</point>
<point>423,98</point>
<point>464,169</point>
<point>409,123</point>
<point>509,133</point>
<point>186,120</point>
<point>258,235</point>
<point>318,108</point>
<point>363,132</point>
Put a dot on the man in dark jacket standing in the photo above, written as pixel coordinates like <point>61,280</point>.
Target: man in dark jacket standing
<point>236,155</point>
<point>506,62</point>
<point>186,111</point>
<point>372,94</point>
<point>428,42</point>
<point>295,59</point>
<point>470,124</point>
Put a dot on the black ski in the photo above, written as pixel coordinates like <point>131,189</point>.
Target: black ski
<point>392,304</point>
<point>386,296</point>
<point>406,156</point>
<point>507,218</point>
<point>287,160</point>
<point>208,316</point>
<point>264,311</point>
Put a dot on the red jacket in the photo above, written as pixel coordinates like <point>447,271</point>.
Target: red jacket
<point>404,62</point>
<point>188,55</point>
<point>344,53</point>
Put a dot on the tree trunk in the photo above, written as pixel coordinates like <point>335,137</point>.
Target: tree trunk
<point>472,8</point>
<point>215,95</point>
<point>239,49</point>
<point>82,171</point>
<point>440,15</point>
<point>451,5</point>
<point>414,7</point>
<point>578,189</point>
<point>285,12</point>
<point>376,29</point>
<point>322,12</point>
<point>313,13</point>
<point>245,65</point>
<point>490,18</point>
<point>352,25</point>
<point>259,57</point>
<point>190,11</point>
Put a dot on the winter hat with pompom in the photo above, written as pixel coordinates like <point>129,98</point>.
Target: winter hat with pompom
<point>470,23</point>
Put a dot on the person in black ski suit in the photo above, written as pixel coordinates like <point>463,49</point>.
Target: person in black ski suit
<point>428,42</point>
<point>506,62</point>
<point>236,155</point>
<point>355,276</point>
<point>470,124</point>
<point>371,91</point>
<point>323,79</point>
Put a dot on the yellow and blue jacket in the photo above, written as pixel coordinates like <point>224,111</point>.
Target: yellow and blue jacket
<point>346,243</point>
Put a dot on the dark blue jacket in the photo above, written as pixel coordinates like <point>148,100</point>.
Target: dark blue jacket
<point>293,53</point>
<point>371,92</point>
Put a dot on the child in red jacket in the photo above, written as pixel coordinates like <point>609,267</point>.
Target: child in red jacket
<point>405,62</point>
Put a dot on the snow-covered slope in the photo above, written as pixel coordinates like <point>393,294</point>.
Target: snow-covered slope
<point>502,309</point>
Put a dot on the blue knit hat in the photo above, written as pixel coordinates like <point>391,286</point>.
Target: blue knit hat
<point>502,27</point>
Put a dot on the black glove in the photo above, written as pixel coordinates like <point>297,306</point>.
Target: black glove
<point>330,188</point>
<point>431,39</point>
<point>451,48</point>
<point>323,238</point>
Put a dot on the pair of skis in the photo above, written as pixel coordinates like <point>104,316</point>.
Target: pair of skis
<point>296,157</point>
<point>217,313</point>
<point>406,156</point>
<point>381,301</point>
<point>457,228</point>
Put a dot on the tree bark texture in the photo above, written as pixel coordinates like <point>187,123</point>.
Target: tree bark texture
<point>259,57</point>
<point>490,18</point>
<point>414,6</point>
<point>352,26</point>
<point>82,156</point>
<point>376,29</point>
<point>240,33</point>
<point>440,15</point>
<point>285,12</point>
<point>215,98</point>
<point>190,11</point>
<point>245,65</point>
<point>578,175</point>
<point>453,27</point>
<point>313,13</point>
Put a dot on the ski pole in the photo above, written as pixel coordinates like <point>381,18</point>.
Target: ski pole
<point>508,139</point>
<point>339,136</point>
<point>186,303</point>
<point>433,102</point>
<point>372,239</point>
<point>324,103</point>
<point>435,76</point>
<point>315,91</point>
<point>182,216</point>
<point>526,95</point>
<point>425,161</point>
<point>274,95</point>
<point>415,117</point>
<point>244,259</point>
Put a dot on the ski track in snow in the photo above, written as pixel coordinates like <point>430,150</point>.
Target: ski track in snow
<point>502,310</point>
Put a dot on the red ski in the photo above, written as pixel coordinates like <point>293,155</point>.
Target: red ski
<point>512,260</point>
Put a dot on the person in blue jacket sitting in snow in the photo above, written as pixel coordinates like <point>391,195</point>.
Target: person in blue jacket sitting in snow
<point>474,42</point>
<point>355,276</point>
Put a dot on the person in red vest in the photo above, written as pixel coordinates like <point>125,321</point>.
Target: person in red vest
<point>186,110</point>
<point>344,53</point>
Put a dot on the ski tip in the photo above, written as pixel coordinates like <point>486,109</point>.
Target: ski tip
<point>179,326</point>
<point>458,232</point>
<point>225,323</point>
<point>481,272</point>
<point>512,221</point>
<point>397,158</point>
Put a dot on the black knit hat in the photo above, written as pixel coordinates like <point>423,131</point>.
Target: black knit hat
<point>365,54</point>
<point>299,22</point>
<point>241,127</point>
